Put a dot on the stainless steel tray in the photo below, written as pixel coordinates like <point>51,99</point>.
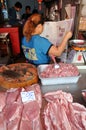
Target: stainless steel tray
<point>78,42</point>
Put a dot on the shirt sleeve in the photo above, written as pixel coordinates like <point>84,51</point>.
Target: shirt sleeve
<point>45,45</point>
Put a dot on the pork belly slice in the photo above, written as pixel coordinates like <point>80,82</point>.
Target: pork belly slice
<point>12,115</point>
<point>31,117</point>
<point>13,95</point>
<point>2,122</point>
<point>2,100</point>
<point>31,110</point>
<point>37,91</point>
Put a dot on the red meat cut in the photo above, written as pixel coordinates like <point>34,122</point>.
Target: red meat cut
<point>61,113</point>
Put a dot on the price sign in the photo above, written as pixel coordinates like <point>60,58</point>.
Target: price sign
<point>28,96</point>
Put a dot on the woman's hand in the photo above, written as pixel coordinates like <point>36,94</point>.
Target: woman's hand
<point>57,51</point>
<point>68,35</point>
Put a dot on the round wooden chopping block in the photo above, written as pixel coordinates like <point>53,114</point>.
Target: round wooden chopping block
<point>18,75</point>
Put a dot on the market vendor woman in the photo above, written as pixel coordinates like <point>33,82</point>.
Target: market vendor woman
<point>37,49</point>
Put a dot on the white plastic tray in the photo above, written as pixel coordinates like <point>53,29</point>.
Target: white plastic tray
<point>56,80</point>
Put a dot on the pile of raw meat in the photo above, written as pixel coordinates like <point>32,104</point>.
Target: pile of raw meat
<point>20,109</point>
<point>64,70</point>
<point>61,113</point>
<point>23,109</point>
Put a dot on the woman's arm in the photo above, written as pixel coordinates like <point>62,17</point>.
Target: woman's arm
<point>57,51</point>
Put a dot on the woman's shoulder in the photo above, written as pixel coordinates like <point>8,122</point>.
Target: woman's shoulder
<point>39,37</point>
<point>41,41</point>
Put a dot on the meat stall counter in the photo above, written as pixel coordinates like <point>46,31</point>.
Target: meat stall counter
<point>36,106</point>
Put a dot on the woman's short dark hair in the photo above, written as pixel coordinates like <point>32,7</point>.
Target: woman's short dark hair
<point>18,5</point>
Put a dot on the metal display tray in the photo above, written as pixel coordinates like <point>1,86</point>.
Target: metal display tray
<point>78,43</point>
<point>56,80</point>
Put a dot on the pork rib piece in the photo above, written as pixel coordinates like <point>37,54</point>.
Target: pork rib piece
<point>61,113</point>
